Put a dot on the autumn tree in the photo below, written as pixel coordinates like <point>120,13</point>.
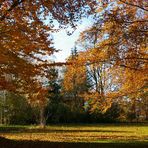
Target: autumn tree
<point>100,80</point>
<point>75,81</point>
<point>126,47</point>
<point>121,44</point>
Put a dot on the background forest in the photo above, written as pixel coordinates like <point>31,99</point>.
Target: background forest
<point>105,79</point>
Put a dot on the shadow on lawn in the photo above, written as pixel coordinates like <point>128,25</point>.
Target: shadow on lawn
<point>39,130</point>
<point>14,129</point>
<point>5,143</point>
<point>67,131</point>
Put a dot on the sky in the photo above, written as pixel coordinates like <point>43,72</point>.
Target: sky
<point>65,43</point>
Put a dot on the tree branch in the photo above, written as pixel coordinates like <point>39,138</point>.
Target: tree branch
<point>134,5</point>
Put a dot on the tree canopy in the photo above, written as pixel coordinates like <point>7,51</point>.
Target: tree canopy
<point>25,36</point>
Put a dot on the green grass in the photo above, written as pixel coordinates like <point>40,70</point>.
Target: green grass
<point>95,133</point>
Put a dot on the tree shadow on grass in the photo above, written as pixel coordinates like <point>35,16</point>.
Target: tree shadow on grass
<point>12,129</point>
<point>73,131</point>
<point>5,143</point>
<point>120,124</point>
<point>40,130</point>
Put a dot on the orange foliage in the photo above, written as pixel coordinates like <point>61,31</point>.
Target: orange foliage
<point>124,51</point>
<point>25,37</point>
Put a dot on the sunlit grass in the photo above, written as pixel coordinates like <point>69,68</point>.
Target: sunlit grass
<point>78,133</point>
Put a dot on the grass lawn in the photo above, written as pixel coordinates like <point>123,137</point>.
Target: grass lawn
<point>110,135</point>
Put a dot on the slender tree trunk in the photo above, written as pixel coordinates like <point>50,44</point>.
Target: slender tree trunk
<point>42,117</point>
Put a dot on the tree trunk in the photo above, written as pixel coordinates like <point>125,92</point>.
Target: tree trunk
<point>42,117</point>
